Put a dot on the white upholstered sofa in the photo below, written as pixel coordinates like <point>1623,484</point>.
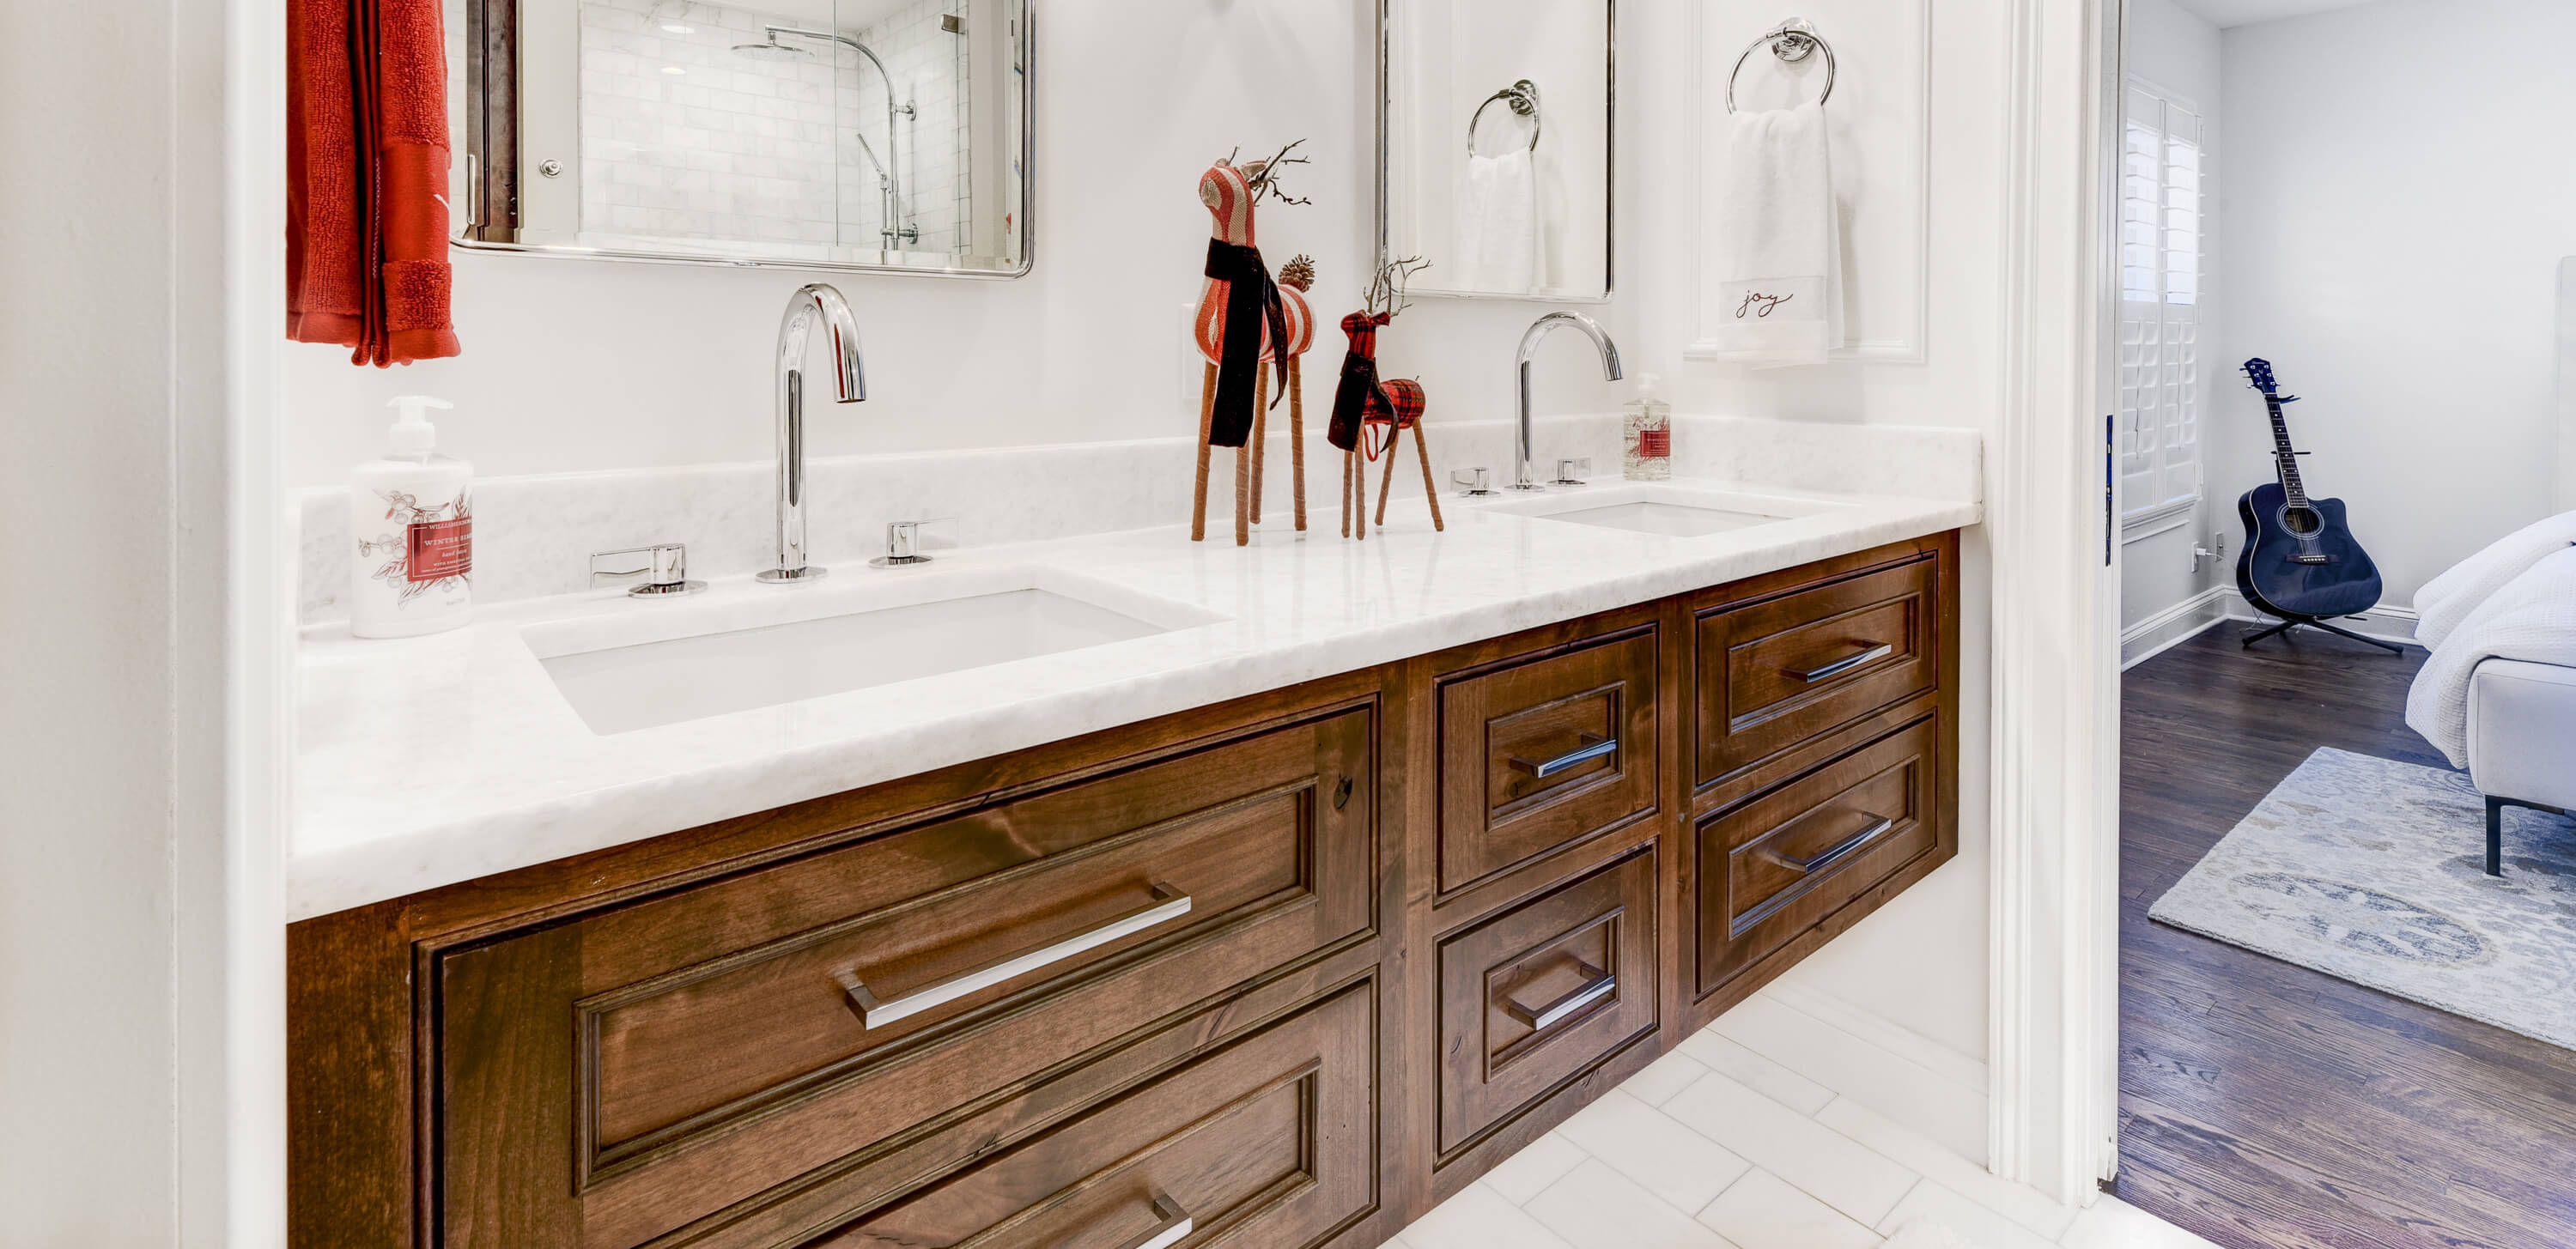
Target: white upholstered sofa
<point>2498,694</point>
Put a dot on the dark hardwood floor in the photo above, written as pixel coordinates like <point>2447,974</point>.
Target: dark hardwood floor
<point>2264,1104</point>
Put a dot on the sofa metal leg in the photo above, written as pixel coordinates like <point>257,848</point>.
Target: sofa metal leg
<point>2495,836</point>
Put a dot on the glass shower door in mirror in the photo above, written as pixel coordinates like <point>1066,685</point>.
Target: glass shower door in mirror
<point>1495,145</point>
<point>874,133</point>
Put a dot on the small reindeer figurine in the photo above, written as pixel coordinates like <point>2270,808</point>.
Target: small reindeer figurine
<point>1242,328</point>
<point>1361,400</point>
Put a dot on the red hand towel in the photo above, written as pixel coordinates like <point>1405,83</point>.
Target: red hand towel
<point>367,164</point>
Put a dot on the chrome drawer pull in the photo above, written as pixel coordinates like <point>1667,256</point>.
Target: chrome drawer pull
<point>1169,904</point>
<point>1838,851</point>
<point>1175,1229</point>
<point>1597,985</point>
<point>1840,666</point>
<point>1593,747</point>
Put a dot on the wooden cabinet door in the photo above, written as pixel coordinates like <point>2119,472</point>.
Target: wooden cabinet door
<point>1779,864</point>
<point>1780,670</point>
<point>1541,751</point>
<point>1538,994</point>
<point>1266,1141</point>
<point>606,1080</point>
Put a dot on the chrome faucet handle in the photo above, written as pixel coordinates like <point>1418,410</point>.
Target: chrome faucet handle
<point>1476,480</point>
<point>1569,472</point>
<point>903,543</point>
<point>665,569</point>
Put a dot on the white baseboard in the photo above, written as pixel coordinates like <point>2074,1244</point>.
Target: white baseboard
<point>2173,626</point>
<point>2388,624</point>
<point>1862,1055</point>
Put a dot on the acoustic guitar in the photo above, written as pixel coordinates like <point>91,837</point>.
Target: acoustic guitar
<point>2300,561</point>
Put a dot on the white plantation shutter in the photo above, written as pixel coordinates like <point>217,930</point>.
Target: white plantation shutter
<point>2162,168</point>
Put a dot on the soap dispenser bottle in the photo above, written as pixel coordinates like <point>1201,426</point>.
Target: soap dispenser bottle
<point>411,526</point>
<point>1648,434</point>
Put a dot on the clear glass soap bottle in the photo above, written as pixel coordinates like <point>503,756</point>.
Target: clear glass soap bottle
<point>1649,434</point>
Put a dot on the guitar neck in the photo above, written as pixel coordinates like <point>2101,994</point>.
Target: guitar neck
<point>2281,452</point>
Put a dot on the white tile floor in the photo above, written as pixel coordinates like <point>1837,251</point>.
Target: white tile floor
<point>1717,1147</point>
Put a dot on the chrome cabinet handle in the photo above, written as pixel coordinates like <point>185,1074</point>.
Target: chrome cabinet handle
<point>1871,654</point>
<point>1597,984</point>
<point>1594,747</point>
<point>1169,904</point>
<point>1176,1226</point>
<point>1838,851</point>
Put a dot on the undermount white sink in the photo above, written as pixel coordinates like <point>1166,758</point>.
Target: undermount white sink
<point>645,668</point>
<point>1668,510</point>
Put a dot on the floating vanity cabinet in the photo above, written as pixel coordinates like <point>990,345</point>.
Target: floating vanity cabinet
<point>1279,972</point>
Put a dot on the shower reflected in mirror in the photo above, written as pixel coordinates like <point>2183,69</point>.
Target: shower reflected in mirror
<point>821,133</point>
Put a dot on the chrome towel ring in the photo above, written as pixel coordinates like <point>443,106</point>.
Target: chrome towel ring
<point>1522,98</point>
<point>1792,41</point>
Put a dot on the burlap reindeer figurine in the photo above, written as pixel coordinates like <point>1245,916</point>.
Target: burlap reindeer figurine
<point>1241,328</point>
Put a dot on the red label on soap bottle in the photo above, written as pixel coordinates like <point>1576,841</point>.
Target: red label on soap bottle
<point>1654,444</point>
<point>440,549</point>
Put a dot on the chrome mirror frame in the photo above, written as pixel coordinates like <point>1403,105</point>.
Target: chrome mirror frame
<point>1610,162</point>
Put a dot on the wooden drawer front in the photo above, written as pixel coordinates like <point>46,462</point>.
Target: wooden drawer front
<point>1543,751</point>
<point>689,1051</point>
<point>1867,642</point>
<point>1533,997</point>
<point>1782,861</point>
<point>1271,1136</point>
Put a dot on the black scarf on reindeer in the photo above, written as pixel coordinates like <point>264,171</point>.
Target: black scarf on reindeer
<point>1251,305</point>
<point>1359,379</point>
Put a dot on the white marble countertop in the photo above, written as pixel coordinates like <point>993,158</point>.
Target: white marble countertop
<point>428,761</point>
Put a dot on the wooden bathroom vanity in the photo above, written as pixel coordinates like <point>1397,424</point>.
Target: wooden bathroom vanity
<point>1283,971</point>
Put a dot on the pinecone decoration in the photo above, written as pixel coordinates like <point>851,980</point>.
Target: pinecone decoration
<point>1299,272</point>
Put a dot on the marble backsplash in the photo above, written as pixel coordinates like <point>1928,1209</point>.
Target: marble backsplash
<point>534,535</point>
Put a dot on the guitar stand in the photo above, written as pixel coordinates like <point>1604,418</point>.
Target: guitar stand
<point>2314,623</point>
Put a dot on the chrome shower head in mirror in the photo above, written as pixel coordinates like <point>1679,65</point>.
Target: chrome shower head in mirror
<point>772,50</point>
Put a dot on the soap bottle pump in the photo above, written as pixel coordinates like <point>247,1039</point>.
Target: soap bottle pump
<point>1648,434</point>
<point>411,526</point>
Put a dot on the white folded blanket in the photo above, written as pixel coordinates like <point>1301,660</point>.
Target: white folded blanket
<point>2532,618</point>
<point>2448,599</point>
<point>1779,242</point>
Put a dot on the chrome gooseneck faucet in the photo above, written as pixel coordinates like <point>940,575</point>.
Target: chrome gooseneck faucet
<point>1522,477</point>
<point>815,305</point>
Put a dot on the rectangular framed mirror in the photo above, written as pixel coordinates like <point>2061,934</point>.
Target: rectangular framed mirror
<point>886,135</point>
<point>1496,151</point>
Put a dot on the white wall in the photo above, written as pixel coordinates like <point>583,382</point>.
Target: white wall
<point>123,998</point>
<point>2179,51</point>
<point>573,365</point>
<point>2398,192</point>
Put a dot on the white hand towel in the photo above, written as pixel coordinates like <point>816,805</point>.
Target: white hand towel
<point>1779,242</point>
<point>1498,231</point>
<point>2448,599</point>
<point>2533,619</point>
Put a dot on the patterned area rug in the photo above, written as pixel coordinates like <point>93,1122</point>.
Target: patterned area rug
<point>2375,871</point>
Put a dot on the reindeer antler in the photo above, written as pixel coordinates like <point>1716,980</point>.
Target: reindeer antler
<point>1263,175</point>
<point>1386,290</point>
